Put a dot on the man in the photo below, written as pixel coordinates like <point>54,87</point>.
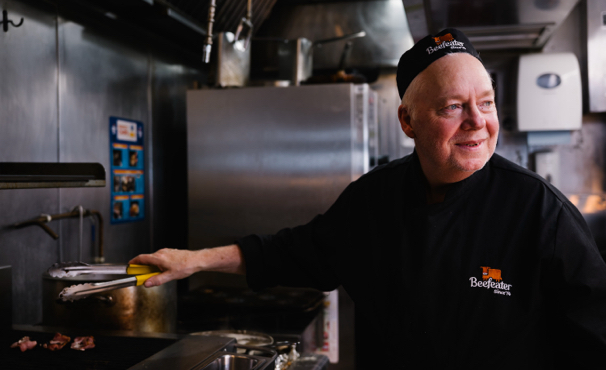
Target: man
<point>454,257</point>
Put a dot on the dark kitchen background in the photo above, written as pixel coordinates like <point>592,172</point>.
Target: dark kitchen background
<point>73,64</point>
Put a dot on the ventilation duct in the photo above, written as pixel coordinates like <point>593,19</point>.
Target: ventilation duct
<point>491,24</point>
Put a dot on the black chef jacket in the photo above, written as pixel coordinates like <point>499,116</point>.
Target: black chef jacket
<point>504,272</point>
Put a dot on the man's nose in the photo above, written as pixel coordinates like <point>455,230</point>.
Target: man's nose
<point>474,119</point>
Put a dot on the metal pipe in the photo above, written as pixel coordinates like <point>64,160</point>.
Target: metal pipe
<point>206,49</point>
<point>100,257</point>
<point>44,219</point>
<point>80,211</point>
<point>40,221</point>
<point>244,27</point>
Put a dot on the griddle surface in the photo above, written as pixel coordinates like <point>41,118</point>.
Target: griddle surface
<point>109,353</point>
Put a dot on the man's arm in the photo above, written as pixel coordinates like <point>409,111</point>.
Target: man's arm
<point>181,263</point>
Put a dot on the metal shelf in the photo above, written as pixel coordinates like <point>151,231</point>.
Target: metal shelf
<point>33,175</point>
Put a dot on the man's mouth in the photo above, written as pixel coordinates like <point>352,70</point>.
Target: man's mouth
<point>470,144</point>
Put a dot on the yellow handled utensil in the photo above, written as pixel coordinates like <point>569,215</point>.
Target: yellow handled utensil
<point>140,269</point>
<point>143,278</point>
<point>72,269</point>
<point>80,291</point>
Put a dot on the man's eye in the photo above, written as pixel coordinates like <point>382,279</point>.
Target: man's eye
<point>452,107</point>
<point>488,104</point>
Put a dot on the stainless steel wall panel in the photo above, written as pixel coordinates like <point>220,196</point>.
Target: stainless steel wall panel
<point>28,132</point>
<point>359,130</point>
<point>100,77</point>
<point>28,87</point>
<point>264,158</point>
<point>169,87</point>
<point>30,251</point>
<point>391,135</point>
<point>59,85</point>
<point>596,54</point>
<point>261,159</point>
<point>583,164</point>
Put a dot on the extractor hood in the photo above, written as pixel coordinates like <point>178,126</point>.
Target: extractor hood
<point>181,23</point>
<point>32,175</point>
<point>491,24</point>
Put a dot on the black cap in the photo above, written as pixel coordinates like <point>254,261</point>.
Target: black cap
<point>427,51</point>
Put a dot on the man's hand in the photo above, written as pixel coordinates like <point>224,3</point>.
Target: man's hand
<point>181,263</point>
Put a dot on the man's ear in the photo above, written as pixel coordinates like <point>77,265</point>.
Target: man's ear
<point>404,117</point>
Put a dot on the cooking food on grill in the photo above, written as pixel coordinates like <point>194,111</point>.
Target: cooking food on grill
<point>58,342</point>
<point>83,343</point>
<point>24,344</point>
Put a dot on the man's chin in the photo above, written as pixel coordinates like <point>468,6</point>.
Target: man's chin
<point>472,165</point>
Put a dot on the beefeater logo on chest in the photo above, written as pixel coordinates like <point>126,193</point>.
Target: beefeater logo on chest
<point>491,279</point>
<point>488,273</point>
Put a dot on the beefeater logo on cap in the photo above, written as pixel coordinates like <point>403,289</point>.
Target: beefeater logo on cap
<point>445,41</point>
<point>429,49</point>
<point>441,39</point>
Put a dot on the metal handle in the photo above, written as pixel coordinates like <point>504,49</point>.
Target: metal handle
<point>142,278</point>
<point>269,351</point>
<point>141,269</point>
<point>346,37</point>
<point>108,300</point>
<point>272,354</point>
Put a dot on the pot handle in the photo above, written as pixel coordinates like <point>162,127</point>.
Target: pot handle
<point>108,300</point>
<point>267,351</point>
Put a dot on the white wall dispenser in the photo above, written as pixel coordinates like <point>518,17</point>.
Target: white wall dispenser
<point>549,93</point>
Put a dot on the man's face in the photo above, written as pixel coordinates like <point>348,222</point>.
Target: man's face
<point>454,121</point>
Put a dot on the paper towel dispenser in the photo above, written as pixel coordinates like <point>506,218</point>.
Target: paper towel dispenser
<point>549,93</point>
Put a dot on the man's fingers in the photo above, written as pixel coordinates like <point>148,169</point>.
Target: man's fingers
<point>137,260</point>
<point>150,282</point>
<point>150,259</point>
<point>156,280</point>
<point>143,259</point>
<point>170,261</point>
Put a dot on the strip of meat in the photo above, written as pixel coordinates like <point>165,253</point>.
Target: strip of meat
<point>24,344</point>
<point>83,343</point>
<point>58,342</point>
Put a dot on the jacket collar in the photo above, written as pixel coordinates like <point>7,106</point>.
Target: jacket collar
<point>419,183</point>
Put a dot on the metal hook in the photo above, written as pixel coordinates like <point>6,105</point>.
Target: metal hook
<point>5,21</point>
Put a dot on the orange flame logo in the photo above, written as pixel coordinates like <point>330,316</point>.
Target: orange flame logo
<point>488,273</point>
<point>441,39</point>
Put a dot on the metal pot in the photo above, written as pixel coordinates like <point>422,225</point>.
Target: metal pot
<point>134,308</point>
<point>295,57</point>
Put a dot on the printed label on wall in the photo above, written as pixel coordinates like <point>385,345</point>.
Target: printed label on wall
<point>330,346</point>
<point>127,170</point>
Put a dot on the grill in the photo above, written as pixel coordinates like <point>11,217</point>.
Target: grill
<point>111,352</point>
<point>275,310</point>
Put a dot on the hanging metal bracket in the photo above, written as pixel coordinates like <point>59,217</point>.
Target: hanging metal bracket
<point>5,21</point>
